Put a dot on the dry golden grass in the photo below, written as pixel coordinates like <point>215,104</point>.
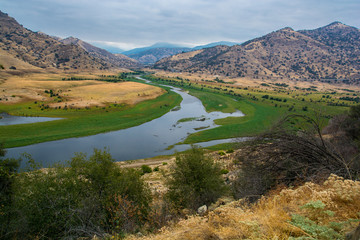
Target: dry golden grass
<point>7,60</point>
<point>269,218</point>
<point>187,55</point>
<point>83,93</point>
<point>256,83</point>
<point>98,93</point>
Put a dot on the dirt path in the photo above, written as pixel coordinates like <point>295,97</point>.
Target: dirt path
<point>149,162</point>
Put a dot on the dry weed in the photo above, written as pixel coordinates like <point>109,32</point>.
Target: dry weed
<point>270,217</point>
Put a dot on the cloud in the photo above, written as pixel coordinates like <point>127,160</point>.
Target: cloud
<point>143,22</point>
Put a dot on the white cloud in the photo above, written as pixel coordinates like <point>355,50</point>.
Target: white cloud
<point>142,22</point>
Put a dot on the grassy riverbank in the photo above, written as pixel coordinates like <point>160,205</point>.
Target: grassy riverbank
<point>81,122</point>
<point>262,107</point>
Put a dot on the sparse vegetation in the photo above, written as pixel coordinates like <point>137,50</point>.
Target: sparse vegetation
<point>285,155</point>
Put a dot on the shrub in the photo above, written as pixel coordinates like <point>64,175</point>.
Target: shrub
<point>8,171</point>
<point>145,169</point>
<point>221,153</point>
<point>286,155</point>
<point>224,171</point>
<point>78,201</point>
<point>195,180</point>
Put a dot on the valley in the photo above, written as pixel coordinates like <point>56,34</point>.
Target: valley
<point>230,126</point>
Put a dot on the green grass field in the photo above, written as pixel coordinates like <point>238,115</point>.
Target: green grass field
<point>82,122</point>
<point>261,111</point>
<point>257,117</point>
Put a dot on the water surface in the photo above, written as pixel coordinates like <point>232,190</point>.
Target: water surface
<point>6,119</point>
<point>147,140</point>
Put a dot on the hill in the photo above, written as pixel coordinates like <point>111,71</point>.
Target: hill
<point>43,51</point>
<point>329,53</point>
<point>152,54</point>
<point>118,60</point>
<point>214,44</point>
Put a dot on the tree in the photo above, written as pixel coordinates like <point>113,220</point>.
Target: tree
<point>75,200</point>
<point>195,180</point>
<point>8,170</point>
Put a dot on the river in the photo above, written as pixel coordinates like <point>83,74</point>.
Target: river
<point>147,140</point>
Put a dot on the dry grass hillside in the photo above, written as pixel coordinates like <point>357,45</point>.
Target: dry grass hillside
<point>43,51</point>
<point>118,60</point>
<point>311,211</point>
<point>330,54</point>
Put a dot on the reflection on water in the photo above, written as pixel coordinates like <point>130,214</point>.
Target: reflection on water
<point>147,140</point>
<point>6,119</point>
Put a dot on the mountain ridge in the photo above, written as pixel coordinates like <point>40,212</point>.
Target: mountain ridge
<point>44,51</point>
<point>329,52</point>
<point>151,54</point>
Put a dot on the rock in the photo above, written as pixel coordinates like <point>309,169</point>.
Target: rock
<point>202,210</point>
<point>354,234</point>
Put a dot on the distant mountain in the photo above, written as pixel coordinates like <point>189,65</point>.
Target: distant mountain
<point>330,52</point>
<point>118,60</point>
<point>153,55</point>
<point>111,49</point>
<point>150,55</point>
<point>41,50</point>
<point>215,44</point>
<point>156,45</point>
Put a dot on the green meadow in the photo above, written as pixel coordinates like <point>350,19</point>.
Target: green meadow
<point>262,107</point>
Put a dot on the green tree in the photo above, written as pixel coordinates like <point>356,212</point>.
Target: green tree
<point>195,180</point>
<point>76,200</point>
<point>8,170</point>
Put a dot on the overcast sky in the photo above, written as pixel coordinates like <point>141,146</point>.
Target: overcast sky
<point>135,23</point>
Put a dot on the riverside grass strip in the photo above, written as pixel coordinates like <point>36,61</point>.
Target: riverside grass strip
<point>85,122</point>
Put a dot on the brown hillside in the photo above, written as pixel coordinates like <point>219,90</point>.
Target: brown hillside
<point>327,53</point>
<point>118,60</point>
<point>42,51</point>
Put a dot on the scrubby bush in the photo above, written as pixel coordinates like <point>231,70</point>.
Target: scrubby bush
<point>221,153</point>
<point>8,170</point>
<point>286,155</point>
<point>195,180</point>
<point>146,169</point>
<point>224,171</point>
<point>90,196</point>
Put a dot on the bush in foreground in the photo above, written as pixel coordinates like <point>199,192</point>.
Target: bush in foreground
<point>195,180</point>
<point>91,197</point>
